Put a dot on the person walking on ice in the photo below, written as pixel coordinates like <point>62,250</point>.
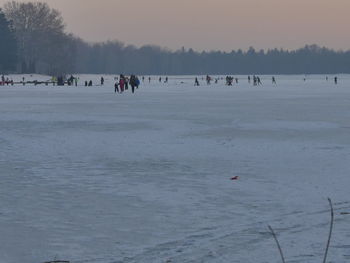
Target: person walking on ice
<point>208,79</point>
<point>196,82</point>
<point>121,83</point>
<point>273,80</point>
<point>133,83</point>
<point>116,88</point>
<point>259,81</point>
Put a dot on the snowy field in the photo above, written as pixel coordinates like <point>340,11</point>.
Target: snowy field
<point>88,175</point>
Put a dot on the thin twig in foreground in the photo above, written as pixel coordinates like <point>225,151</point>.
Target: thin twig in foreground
<point>278,244</point>
<point>330,230</point>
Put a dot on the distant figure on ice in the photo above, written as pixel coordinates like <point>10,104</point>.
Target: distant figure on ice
<point>335,80</point>
<point>126,83</point>
<point>137,82</point>
<point>133,83</point>
<point>102,81</point>
<point>166,80</point>
<point>149,79</point>
<point>259,81</point>
<point>236,79</point>
<point>70,80</point>
<point>86,83</point>
<point>143,78</point>
<point>229,80</point>
<point>208,79</point>
<point>249,79</point>
<point>90,83</point>
<point>116,88</point>
<point>160,79</point>
<point>121,83</point>
<point>273,80</point>
<point>196,82</point>
<point>327,78</point>
<point>60,81</point>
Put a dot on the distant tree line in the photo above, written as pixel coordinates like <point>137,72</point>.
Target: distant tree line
<point>8,45</point>
<point>34,40</point>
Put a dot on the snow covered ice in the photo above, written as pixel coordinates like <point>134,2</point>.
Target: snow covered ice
<point>88,175</point>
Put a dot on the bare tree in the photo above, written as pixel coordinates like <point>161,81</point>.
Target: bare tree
<point>37,28</point>
<point>8,45</point>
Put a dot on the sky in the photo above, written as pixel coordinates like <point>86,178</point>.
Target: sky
<point>210,24</point>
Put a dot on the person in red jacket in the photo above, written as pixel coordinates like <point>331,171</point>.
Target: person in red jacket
<point>121,83</point>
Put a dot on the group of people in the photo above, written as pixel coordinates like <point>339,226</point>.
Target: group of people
<point>257,80</point>
<point>5,81</point>
<point>230,79</point>
<point>73,81</point>
<point>160,79</point>
<point>335,80</point>
<point>124,83</point>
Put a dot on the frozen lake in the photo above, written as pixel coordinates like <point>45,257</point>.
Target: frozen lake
<point>88,175</point>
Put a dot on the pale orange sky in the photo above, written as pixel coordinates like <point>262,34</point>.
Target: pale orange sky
<point>210,24</point>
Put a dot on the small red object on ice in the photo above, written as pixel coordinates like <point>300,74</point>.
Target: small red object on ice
<point>235,178</point>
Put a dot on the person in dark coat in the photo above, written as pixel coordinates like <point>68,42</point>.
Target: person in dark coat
<point>126,83</point>
<point>116,88</point>
<point>137,82</point>
<point>196,82</point>
<point>133,83</point>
